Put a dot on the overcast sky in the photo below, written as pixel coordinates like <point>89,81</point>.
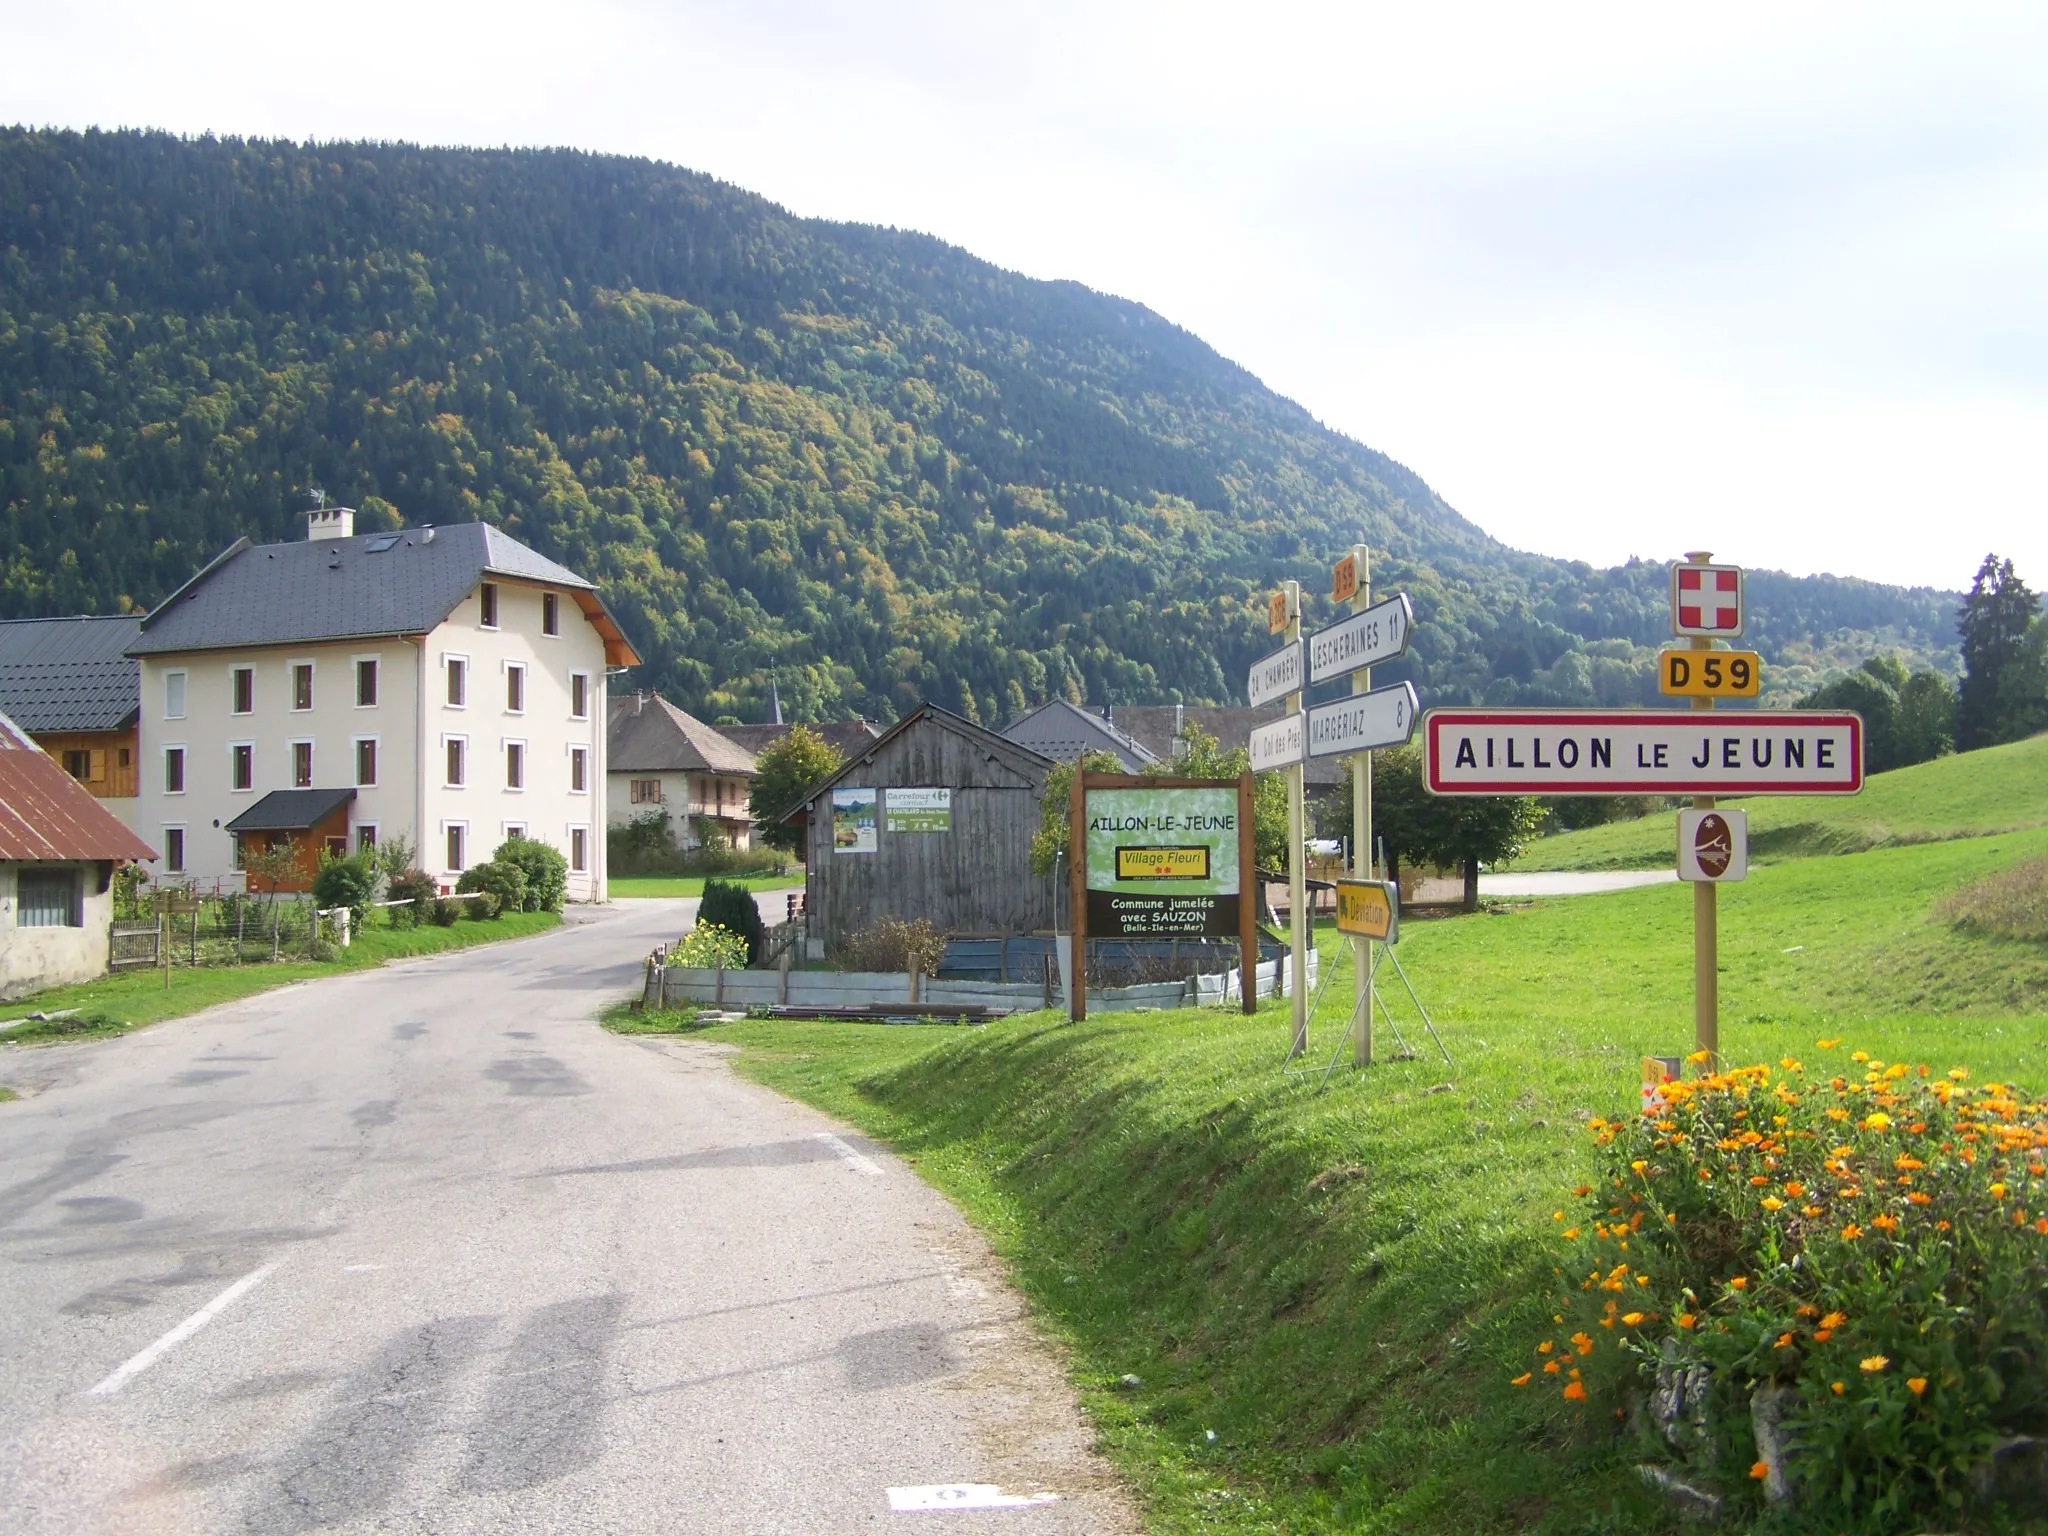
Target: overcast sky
<point>1615,279</point>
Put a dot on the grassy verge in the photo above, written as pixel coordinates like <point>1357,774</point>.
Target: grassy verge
<point>1972,794</point>
<point>628,887</point>
<point>1337,1285</point>
<point>140,997</point>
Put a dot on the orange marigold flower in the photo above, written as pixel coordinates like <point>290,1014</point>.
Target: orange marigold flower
<point>1583,1190</point>
<point>2041,1225</point>
<point>1809,1210</point>
<point>1784,1341</point>
<point>1917,1385</point>
<point>1545,1347</point>
<point>1631,1319</point>
<point>1760,1470</point>
<point>1758,1180</point>
<point>1837,1388</point>
<point>1551,1368</point>
<point>1794,1188</point>
<point>1907,1163</point>
<point>1872,1364</point>
<point>1941,1226</point>
<point>1885,1223</point>
<point>1523,1380</point>
<point>1852,1232</point>
<point>1584,1342</point>
<point>1575,1392</point>
<point>1834,1320</point>
<point>1685,1319</point>
<point>1572,1232</point>
<point>1822,1335</point>
<point>1739,1283</point>
<point>1919,1199</point>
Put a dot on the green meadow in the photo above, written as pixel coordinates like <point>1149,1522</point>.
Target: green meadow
<point>1323,1290</point>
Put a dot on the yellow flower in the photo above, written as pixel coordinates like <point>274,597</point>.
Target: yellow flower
<point>1771,1203</point>
<point>1917,1385</point>
<point>1572,1232</point>
<point>1834,1320</point>
<point>1875,1363</point>
<point>1877,1122</point>
<point>1631,1319</point>
<point>1998,1191</point>
<point>1959,1074</point>
<point>1638,1165</point>
<point>1859,1055</point>
<point>1828,1045</point>
<point>1836,1387</point>
<point>1699,1056</point>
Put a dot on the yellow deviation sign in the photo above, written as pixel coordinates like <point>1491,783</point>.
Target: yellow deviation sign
<point>1710,674</point>
<point>1344,579</point>
<point>1162,863</point>
<point>1369,909</point>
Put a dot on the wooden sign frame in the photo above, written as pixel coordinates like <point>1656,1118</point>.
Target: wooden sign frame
<point>1077,877</point>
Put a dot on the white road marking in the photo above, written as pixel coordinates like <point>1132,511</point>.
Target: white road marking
<point>178,1335</point>
<point>359,1269</point>
<point>964,1496</point>
<point>863,1164</point>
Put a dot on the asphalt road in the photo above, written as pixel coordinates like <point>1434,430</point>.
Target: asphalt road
<point>462,1261</point>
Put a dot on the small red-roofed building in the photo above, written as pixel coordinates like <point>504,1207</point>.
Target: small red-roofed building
<point>59,848</point>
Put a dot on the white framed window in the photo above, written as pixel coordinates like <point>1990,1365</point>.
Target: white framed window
<point>515,765</point>
<point>366,836</point>
<point>302,686</point>
<point>242,765</point>
<point>550,614</point>
<point>457,668</point>
<point>512,829</point>
<point>515,688</point>
<point>579,770</point>
<point>455,751</point>
<point>487,605</point>
<point>579,849</point>
<point>366,761</point>
<point>174,695</point>
<point>366,682</point>
<point>241,690</point>
<point>174,770</point>
<point>579,695</point>
<point>302,764</point>
<point>174,850</point>
<point>456,836</point>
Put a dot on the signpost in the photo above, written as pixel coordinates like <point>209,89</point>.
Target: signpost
<point>1160,858</point>
<point>1641,752</point>
<point>1370,636</point>
<point>1709,674</point>
<point>1279,743</point>
<point>1365,722</point>
<point>1275,676</point>
<point>1369,909</point>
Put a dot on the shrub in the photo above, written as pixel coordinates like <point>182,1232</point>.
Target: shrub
<point>730,906</point>
<point>894,945</point>
<point>1864,1254</point>
<point>710,946</point>
<point>499,887</point>
<point>348,882</point>
<point>545,870</point>
<point>444,912</point>
<point>416,887</point>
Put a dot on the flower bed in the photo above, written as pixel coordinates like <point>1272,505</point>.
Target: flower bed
<point>1815,1290</point>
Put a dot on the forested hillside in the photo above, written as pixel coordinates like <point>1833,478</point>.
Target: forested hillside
<point>856,461</point>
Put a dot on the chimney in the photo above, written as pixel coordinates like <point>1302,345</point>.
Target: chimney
<point>331,523</point>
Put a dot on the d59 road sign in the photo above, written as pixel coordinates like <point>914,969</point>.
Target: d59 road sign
<point>1379,633</point>
<point>1710,674</point>
<point>1641,752</point>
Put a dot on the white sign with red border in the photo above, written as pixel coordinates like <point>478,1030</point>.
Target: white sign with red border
<point>1642,752</point>
<point>1706,600</point>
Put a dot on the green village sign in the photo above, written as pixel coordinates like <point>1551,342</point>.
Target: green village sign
<point>1160,858</point>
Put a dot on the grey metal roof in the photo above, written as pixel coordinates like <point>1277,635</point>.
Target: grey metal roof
<point>1063,732</point>
<point>846,737</point>
<point>70,674</point>
<point>1013,755</point>
<point>339,589</point>
<point>650,735</point>
<point>291,810</point>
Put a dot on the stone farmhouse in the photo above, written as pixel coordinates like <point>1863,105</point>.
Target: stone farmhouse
<point>662,760</point>
<point>446,685</point>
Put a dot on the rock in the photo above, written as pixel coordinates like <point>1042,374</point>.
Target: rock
<point>1768,1406</point>
<point>2015,1473</point>
<point>1439,1088</point>
<point>1678,1405</point>
<point>1693,1503</point>
<point>1129,1383</point>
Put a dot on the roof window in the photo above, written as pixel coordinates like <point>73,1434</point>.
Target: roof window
<point>382,542</point>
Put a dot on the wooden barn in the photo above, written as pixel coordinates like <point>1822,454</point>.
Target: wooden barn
<point>932,820</point>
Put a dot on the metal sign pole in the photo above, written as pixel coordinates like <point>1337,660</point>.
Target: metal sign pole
<point>1077,896</point>
<point>1297,877</point>
<point>1361,826</point>
<point>1706,917</point>
<point>1247,897</point>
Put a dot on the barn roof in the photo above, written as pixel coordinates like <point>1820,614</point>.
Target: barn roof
<point>370,585</point>
<point>1019,760</point>
<point>70,674</point>
<point>650,735</point>
<point>848,737</point>
<point>47,814</point>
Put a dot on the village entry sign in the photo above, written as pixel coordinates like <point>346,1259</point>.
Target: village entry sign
<point>1641,752</point>
<point>1159,858</point>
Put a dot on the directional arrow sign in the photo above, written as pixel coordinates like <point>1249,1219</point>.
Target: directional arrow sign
<point>1365,722</point>
<point>1378,634</point>
<point>1280,743</point>
<point>1641,752</point>
<point>1275,676</point>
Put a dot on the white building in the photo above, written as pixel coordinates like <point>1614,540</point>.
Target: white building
<point>665,762</point>
<point>59,848</point>
<point>446,685</point>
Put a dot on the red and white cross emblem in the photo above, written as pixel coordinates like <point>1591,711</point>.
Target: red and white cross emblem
<point>1706,599</point>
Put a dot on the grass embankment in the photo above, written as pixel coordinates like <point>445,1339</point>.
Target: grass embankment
<point>1999,789</point>
<point>629,887</point>
<point>139,997</point>
<point>1339,1285</point>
